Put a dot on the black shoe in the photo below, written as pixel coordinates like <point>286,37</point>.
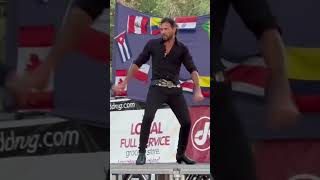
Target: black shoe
<point>141,159</point>
<point>183,158</point>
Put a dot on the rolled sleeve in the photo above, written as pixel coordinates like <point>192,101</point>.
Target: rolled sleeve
<point>188,62</point>
<point>257,15</point>
<point>144,56</point>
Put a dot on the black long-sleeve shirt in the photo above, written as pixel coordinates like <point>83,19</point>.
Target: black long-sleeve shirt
<point>166,67</point>
<point>256,15</point>
<point>92,7</point>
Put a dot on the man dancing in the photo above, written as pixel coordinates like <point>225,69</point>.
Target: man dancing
<point>167,56</point>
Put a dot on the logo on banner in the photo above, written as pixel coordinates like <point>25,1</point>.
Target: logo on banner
<point>201,134</point>
<point>304,176</point>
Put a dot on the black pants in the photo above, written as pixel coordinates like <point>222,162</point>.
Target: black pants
<point>231,154</point>
<point>175,99</point>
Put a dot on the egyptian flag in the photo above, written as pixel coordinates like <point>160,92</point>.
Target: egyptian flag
<point>186,22</point>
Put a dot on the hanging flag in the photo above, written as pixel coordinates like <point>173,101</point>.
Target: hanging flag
<point>186,22</point>
<point>206,27</point>
<point>34,44</point>
<point>155,25</point>
<point>204,82</point>
<point>137,24</point>
<point>119,78</point>
<point>123,46</point>
<point>142,73</point>
<point>187,86</point>
<point>250,77</point>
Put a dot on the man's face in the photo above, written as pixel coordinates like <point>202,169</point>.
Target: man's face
<point>167,31</point>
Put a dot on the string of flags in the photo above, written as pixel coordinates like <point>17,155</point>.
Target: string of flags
<point>139,24</point>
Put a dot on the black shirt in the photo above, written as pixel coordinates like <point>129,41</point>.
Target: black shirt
<point>256,15</point>
<point>166,67</point>
<point>93,7</point>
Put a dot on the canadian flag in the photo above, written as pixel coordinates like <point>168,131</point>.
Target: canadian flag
<point>120,77</point>
<point>137,24</point>
<point>186,22</point>
<point>142,73</point>
<point>34,43</point>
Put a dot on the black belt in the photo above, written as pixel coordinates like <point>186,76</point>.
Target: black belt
<point>164,83</point>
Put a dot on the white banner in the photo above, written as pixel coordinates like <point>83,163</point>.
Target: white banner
<point>125,132</point>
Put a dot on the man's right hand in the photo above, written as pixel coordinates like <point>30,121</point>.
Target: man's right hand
<point>21,86</point>
<point>120,88</point>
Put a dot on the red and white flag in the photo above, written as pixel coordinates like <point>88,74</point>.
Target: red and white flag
<point>186,22</point>
<point>120,77</point>
<point>187,85</point>
<point>137,24</point>
<point>123,46</point>
<point>142,73</point>
<point>248,77</point>
<point>34,43</point>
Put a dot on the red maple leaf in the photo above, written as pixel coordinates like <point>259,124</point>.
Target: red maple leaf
<point>33,63</point>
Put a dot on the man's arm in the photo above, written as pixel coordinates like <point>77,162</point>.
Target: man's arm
<point>143,58</point>
<point>192,69</point>
<point>78,20</point>
<point>257,16</point>
<point>195,79</point>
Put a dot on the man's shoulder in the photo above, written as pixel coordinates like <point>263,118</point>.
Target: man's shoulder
<point>181,44</point>
<point>156,40</point>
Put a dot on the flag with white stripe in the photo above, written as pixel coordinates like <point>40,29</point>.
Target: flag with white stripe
<point>186,22</point>
<point>120,77</point>
<point>123,46</point>
<point>137,24</point>
<point>142,73</point>
<point>34,44</point>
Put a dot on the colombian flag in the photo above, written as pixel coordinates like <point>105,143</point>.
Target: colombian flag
<point>154,25</point>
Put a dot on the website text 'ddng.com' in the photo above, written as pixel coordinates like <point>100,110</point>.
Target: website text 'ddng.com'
<point>10,141</point>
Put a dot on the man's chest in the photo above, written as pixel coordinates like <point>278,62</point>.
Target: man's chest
<point>167,55</point>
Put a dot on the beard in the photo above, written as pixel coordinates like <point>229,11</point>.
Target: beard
<point>167,37</point>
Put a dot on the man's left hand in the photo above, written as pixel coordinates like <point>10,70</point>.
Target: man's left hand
<point>197,96</point>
